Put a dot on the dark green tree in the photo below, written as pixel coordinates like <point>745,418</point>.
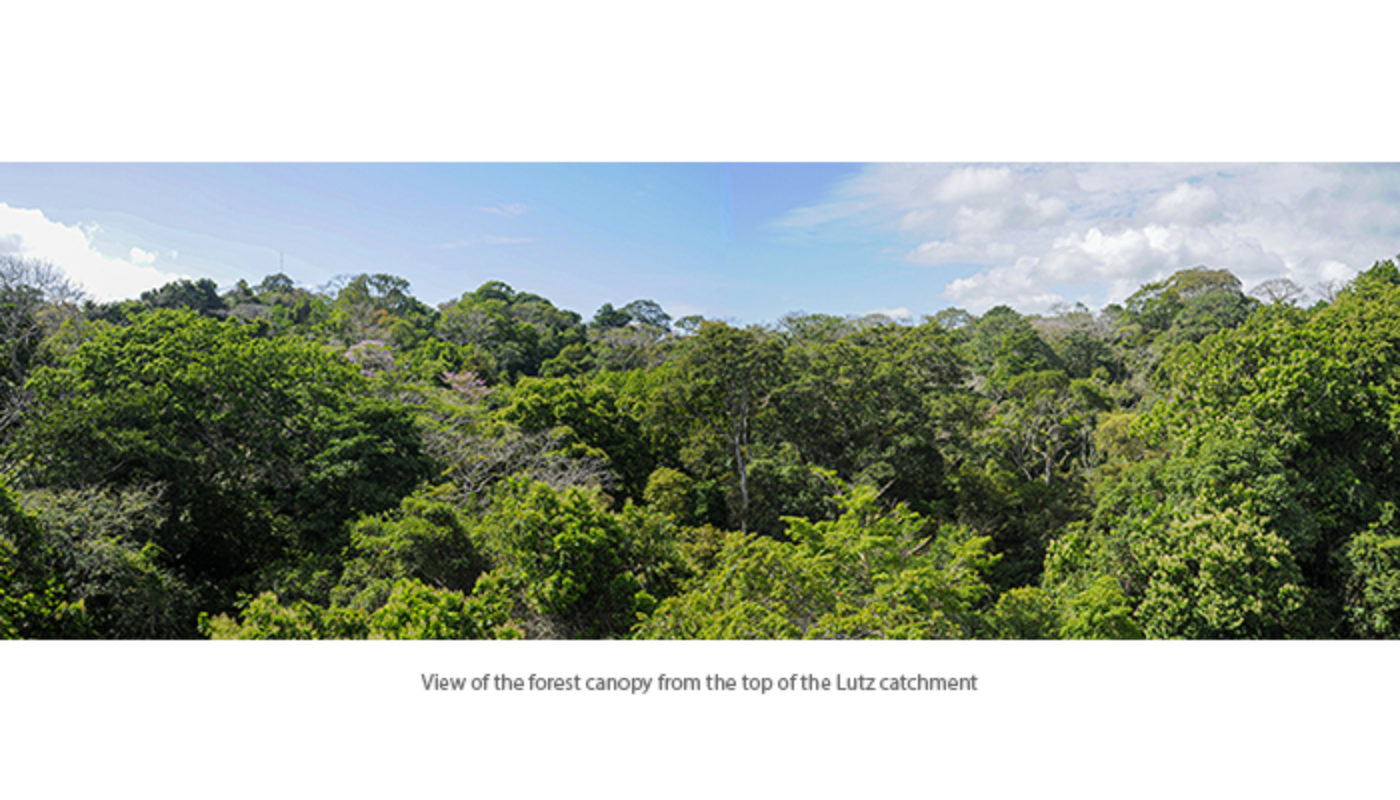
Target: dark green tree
<point>260,448</point>
<point>717,390</point>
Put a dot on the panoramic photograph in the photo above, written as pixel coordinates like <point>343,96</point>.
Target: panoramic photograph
<point>752,401</point>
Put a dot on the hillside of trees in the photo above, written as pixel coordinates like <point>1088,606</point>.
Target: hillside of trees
<point>277,462</point>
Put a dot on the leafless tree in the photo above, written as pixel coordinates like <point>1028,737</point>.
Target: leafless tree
<point>1278,290</point>
<point>477,460</point>
<point>1328,290</point>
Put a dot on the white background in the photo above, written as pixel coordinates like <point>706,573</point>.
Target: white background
<point>640,81</point>
<point>328,719</point>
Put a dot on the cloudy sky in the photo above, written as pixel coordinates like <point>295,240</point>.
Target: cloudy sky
<point>747,242</point>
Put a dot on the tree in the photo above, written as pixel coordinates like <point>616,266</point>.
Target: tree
<point>588,417</point>
<point>721,383</point>
<point>520,331</point>
<point>427,539</point>
<point>635,346</point>
<point>879,405</point>
<point>200,296</point>
<point>379,307</point>
<point>871,573</point>
<point>1219,574</point>
<point>260,447</point>
<point>1372,559</point>
<point>32,296</point>
<point>1190,305</point>
<point>648,313</point>
<point>1309,399</point>
<point>608,317</point>
<point>1278,290</point>
<point>1098,611</point>
<point>574,569</point>
<point>99,544</point>
<point>1004,344</point>
<point>33,599</point>
<point>1045,423</point>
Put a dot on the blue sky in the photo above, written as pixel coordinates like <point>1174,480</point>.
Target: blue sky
<point>746,242</point>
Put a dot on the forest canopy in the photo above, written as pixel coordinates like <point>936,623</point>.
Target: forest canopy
<point>272,461</point>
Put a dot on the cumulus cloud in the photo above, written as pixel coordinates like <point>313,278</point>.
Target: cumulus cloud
<point>29,233</point>
<point>1017,285</point>
<point>1031,235</point>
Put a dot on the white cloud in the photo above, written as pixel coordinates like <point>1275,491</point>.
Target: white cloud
<point>1030,234</point>
<point>505,209</point>
<point>1185,203</point>
<point>1334,271</point>
<point>1047,210</point>
<point>944,252</point>
<point>940,251</point>
<point>978,224</point>
<point>27,232</point>
<point>139,256</point>
<point>1016,285</point>
<point>972,182</point>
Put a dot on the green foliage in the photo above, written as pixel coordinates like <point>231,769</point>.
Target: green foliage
<point>1026,612</point>
<point>1372,565</point>
<point>427,540</point>
<point>1195,301</point>
<point>573,360</point>
<point>1085,353</point>
<point>588,420</point>
<point>582,572</point>
<point>201,297</point>
<point>671,492</point>
<point>1045,422</point>
<point>717,392</point>
<point>266,618</point>
<point>1310,401</point>
<point>1219,574</point>
<point>879,405</point>
<point>1192,464</point>
<point>1039,452</point>
<point>1101,611</point>
<point>33,601</point>
<point>378,307</point>
<point>99,545</point>
<point>783,486</point>
<point>1098,611</point>
<point>260,447</point>
<point>1004,345</point>
<point>519,331</point>
<point>870,573</point>
<point>416,611</point>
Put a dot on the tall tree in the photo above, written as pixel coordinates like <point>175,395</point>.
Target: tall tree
<point>719,386</point>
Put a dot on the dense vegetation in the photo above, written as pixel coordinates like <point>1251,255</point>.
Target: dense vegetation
<point>274,462</point>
